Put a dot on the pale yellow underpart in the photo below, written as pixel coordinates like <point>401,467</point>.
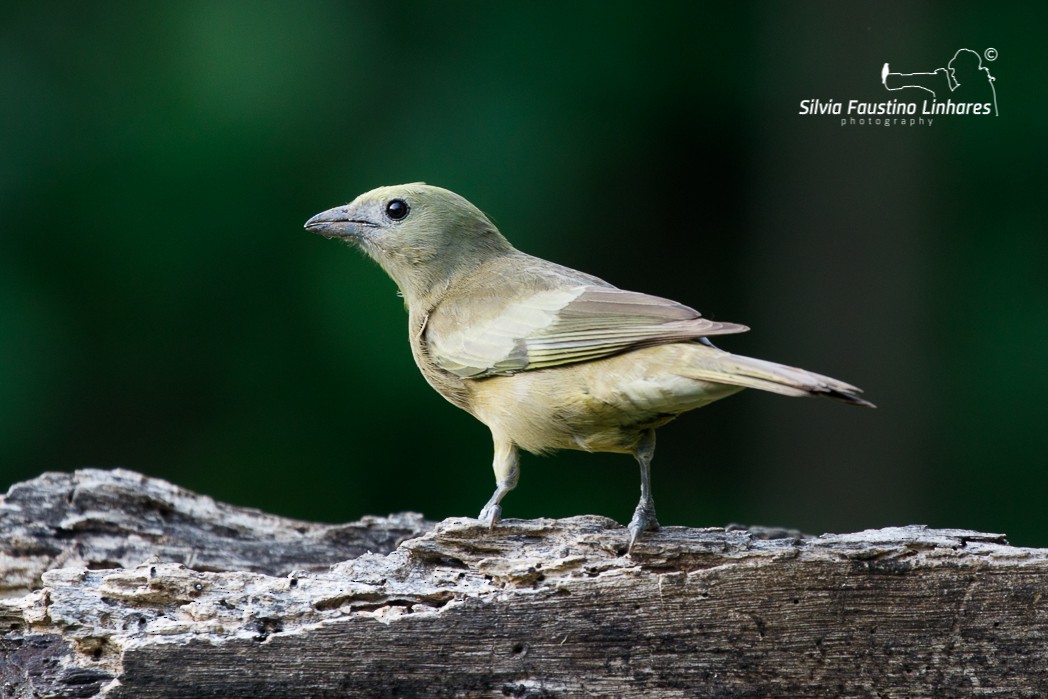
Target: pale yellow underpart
<point>604,405</point>
<point>607,404</point>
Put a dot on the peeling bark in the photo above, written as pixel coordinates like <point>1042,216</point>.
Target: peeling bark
<point>152,591</point>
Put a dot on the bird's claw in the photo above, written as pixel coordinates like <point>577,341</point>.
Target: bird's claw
<point>490,515</point>
<point>643,520</point>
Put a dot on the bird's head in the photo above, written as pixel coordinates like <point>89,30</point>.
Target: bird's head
<point>423,236</point>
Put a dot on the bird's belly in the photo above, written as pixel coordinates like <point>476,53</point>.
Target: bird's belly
<point>605,405</point>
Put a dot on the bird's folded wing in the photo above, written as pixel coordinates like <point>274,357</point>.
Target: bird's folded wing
<point>557,326</point>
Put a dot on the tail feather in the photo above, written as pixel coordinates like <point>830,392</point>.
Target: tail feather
<point>735,370</point>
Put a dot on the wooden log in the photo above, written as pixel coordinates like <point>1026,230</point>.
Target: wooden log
<point>117,519</point>
<point>540,608</point>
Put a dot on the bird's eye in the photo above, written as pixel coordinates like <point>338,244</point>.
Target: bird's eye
<point>397,209</point>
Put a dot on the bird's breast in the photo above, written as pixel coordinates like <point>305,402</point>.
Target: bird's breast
<point>443,382</point>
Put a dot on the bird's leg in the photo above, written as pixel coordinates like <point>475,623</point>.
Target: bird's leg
<point>507,472</point>
<point>644,515</point>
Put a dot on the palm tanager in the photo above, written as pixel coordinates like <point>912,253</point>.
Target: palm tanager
<point>546,356</point>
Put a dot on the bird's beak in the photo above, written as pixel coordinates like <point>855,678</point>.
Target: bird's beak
<point>340,222</point>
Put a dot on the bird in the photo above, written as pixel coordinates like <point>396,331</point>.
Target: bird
<point>546,356</point>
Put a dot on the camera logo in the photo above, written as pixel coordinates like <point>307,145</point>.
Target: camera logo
<point>964,81</point>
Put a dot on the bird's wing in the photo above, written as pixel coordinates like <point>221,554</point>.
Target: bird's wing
<point>558,326</point>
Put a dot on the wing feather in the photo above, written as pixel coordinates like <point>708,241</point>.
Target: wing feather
<point>552,327</point>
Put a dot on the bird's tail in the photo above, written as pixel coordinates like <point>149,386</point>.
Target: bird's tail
<point>712,364</point>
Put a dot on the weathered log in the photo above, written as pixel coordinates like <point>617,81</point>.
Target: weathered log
<point>116,519</point>
<point>542,608</point>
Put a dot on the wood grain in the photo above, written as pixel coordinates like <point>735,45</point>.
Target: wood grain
<point>539,608</point>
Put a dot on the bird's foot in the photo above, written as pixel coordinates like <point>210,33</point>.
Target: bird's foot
<point>491,515</point>
<point>643,520</point>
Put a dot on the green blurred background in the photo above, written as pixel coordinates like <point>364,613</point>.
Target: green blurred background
<point>161,308</point>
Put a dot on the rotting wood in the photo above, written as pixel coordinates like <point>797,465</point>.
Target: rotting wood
<point>539,608</point>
